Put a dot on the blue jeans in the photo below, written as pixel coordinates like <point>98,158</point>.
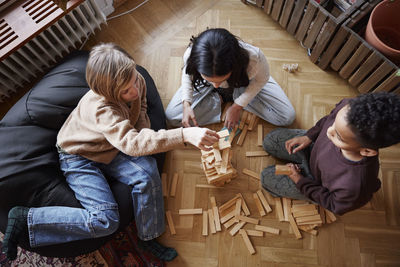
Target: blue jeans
<point>100,217</point>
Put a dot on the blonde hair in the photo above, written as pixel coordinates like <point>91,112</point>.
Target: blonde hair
<point>109,69</point>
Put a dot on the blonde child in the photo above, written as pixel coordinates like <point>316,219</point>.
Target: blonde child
<point>107,135</point>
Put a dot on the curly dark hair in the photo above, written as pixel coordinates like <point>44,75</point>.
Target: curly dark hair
<point>216,52</point>
<point>375,119</point>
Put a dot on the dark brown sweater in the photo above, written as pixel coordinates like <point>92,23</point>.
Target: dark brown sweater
<point>340,185</point>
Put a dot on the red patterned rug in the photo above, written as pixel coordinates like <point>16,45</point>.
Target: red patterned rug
<point>121,251</point>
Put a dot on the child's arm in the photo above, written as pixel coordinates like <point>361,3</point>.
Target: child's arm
<point>256,83</point>
<point>143,120</point>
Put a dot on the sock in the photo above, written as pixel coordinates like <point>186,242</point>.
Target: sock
<point>158,250</point>
<point>16,226</point>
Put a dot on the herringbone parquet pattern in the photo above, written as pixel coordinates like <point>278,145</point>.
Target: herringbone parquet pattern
<point>156,35</point>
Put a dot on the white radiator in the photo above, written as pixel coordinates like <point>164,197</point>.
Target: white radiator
<point>42,52</point>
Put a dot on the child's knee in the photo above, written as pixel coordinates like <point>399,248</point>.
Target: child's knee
<point>271,140</point>
<point>105,222</point>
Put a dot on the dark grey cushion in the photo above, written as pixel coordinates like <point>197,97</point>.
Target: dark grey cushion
<point>30,175</point>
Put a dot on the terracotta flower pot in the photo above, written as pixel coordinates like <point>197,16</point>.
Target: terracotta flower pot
<point>383,29</point>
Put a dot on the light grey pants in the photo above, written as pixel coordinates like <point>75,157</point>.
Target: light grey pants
<point>270,104</point>
<point>274,144</point>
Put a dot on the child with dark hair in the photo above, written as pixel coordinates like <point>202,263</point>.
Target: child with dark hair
<point>336,161</point>
<point>220,68</point>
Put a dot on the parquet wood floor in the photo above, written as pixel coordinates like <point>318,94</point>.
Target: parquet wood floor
<point>156,35</point>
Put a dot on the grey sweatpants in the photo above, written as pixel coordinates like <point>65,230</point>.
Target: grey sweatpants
<point>270,104</point>
<point>274,144</point>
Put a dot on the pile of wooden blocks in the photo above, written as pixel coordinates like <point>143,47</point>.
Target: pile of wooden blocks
<point>217,162</point>
<point>302,215</point>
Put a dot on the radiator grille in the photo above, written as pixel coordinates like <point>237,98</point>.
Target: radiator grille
<point>42,52</point>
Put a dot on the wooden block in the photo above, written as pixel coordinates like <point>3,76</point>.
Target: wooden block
<point>330,217</point>
<point>170,222</point>
<point>243,119</point>
<point>216,219</point>
<point>173,184</point>
<point>308,218</point>
<point>323,214</point>
<point>233,134</point>
<point>308,207</point>
<point>255,233</point>
<point>251,121</point>
<point>247,241</point>
<point>228,204</point>
<point>190,211</point>
<point>229,223</point>
<point>264,201</point>
<point>236,228</point>
<point>251,173</point>
<point>217,155</point>
<point>305,213</point>
<point>261,153</point>
<point>248,219</point>
<point>210,158</point>
<point>228,216</point>
<point>238,208</point>
<point>222,144</point>
<point>244,205</point>
<point>164,184</point>
<point>258,204</point>
<point>242,135</point>
<point>211,221</point>
<point>260,135</point>
<point>267,229</point>
<point>299,202</point>
<point>279,209</point>
<point>286,208</point>
<point>225,160</point>
<point>294,227</point>
<point>223,133</point>
<point>310,231</point>
<point>282,170</point>
<point>248,118</point>
<point>205,223</point>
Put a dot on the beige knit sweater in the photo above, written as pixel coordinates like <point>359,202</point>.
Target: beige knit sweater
<point>97,130</point>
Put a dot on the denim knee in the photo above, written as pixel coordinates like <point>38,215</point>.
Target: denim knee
<point>104,222</point>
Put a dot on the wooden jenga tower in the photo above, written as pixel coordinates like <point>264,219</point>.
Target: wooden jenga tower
<point>217,162</point>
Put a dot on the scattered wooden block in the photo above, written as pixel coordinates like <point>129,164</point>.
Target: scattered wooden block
<point>279,210</point>
<point>244,205</point>
<point>228,204</point>
<point>190,211</point>
<point>236,228</point>
<point>247,241</point>
<point>228,216</point>
<point>307,230</point>
<point>264,201</point>
<point>282,170</point>
<point>258,205</point>
<point>170,222</point>
<point>211,221</point>
<point>252,121</point>
<point>330,217</point>
<point>261,153</point>
<point>248,219</point>
<point>251,173</point>
<point>238,208</point>
<point>205,223</point>
<point>242,135</point>
<point>216,214</point>
<point>173,185</point>
<point>229,223</point>
<point>164,184</point>
<point>260,135</point>
<point>294,226</point>
<point>303,208</point>
<point>255,233</point>
<point>286,208</point>
<point>243,119</point>
<point>267,229</point>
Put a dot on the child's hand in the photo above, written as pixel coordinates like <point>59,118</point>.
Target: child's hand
<point>188,115</point>
<point>301,142</point>
<point>202,138</point>
<point>232,116</point>
<point>295,176</point>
